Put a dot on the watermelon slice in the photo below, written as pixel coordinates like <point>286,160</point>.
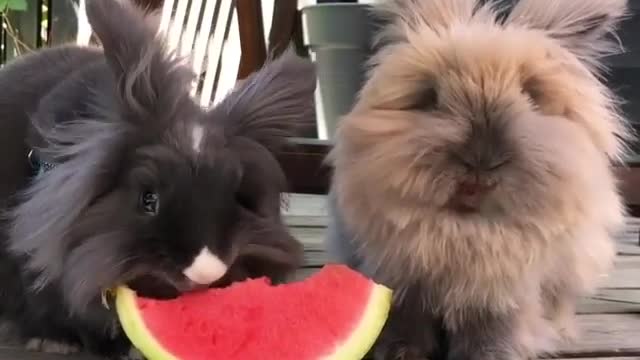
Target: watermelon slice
<point>335,314</point>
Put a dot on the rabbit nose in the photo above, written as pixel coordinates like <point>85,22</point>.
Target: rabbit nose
<point>475,187</point>
<point>206,268</point>
<point>485,150</point>
<point>475,162</point>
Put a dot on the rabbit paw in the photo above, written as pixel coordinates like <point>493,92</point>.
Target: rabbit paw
<point>50,346</point>
<point>398,351</point>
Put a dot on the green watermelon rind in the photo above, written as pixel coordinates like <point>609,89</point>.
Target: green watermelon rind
<point>356,346</point>
<point>134,326</point>
<point>369,327</point>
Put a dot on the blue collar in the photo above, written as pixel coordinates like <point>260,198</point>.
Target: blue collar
<point>38,165</point>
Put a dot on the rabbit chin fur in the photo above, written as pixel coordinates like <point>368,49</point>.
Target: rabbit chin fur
<point>461,92</point>
<point>117,121</point>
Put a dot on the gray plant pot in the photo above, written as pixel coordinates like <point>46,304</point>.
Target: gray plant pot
<point>338,37</point>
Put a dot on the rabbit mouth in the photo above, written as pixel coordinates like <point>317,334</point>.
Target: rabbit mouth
<point>156,287</point>
<point>472,196</point>
<point>164,286</point>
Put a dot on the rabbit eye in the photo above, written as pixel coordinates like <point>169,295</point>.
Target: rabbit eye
<point>428,100</point>
<point>149,202</point>
<point>533,90</point>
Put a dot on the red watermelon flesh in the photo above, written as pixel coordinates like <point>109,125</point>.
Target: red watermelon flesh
<point>334,314</point>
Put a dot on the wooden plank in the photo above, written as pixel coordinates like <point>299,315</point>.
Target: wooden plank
<point>628,246</point>
<point>628,240</point>
<point>315,258</point>
<point>607,335</point>
<point>305,205</point>
<point>311,237</point>
<point>611,301</point>
<point>626,273</point>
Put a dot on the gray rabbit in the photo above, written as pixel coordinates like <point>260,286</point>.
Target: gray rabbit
<point>112,174</point>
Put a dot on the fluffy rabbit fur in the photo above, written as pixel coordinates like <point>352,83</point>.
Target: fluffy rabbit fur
<point>474,173</point>
<point>148,188</point>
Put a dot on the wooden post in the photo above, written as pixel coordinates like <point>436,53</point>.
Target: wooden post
<point>252,40</point>
<point>286,30</point>
<point>283,25</point>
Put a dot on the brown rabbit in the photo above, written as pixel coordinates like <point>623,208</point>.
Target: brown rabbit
<point>474,173</point>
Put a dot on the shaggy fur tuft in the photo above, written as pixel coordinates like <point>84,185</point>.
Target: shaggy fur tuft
<point>120,126</point>
<point>474,173</point>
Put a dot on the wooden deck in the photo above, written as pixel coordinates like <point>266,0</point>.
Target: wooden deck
<point>609,320</point>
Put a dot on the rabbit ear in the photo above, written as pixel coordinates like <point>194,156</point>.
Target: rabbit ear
<point>146,73</point>
<point>271,104</point>
<point>436,15</point>
<point>581,25</point>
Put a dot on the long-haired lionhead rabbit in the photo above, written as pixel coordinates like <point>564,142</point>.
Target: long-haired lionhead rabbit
<point>145,187</point>
<point>474,173</point>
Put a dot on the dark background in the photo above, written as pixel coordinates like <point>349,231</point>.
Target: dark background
<point>624,74</point>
